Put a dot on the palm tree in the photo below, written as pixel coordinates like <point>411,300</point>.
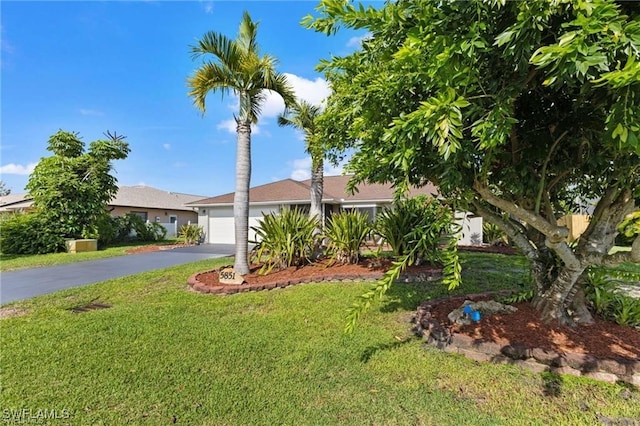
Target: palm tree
<point>303,116</point>
<point>237,67</point>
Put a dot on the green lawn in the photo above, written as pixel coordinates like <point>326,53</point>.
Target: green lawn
<point>12,262</point>
<point>162,354</point>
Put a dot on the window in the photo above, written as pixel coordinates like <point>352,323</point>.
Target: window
<point>143,215</point>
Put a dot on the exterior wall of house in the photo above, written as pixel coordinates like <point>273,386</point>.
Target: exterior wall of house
<point>218,223</point>
<point>159,215</point>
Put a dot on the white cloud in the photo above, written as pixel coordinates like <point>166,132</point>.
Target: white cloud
<point>208,7</point>
<point>230,126</point>
<point>357,41</point>
<point>312,91</point>
<point>301,168</point>
<point>166,146</point>
<point>91,112</point>
<point>17,169</point>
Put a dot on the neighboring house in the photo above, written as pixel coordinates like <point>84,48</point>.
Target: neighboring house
<point>15,203</point>
<point>152,204</point>
<point>215,215</point>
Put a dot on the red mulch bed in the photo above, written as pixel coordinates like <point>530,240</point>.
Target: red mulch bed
<point>603,339</point>
<point>154,247</point>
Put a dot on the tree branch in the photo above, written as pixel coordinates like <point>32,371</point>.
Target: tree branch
<point>510,229</point>
<point>543,173</point>
<point>553,232</point>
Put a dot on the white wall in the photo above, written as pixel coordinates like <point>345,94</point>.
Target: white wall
<point>471,229</point>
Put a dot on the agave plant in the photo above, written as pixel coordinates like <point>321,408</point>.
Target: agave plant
<point>284,239</point>
<point>346,232</point>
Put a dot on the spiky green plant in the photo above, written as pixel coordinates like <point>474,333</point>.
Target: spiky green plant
<point>284,239</point>
<point>418,225</point>
<point>346,232</point>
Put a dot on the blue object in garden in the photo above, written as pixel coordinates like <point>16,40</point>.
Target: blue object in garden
<point>475,316</point>
<point>467,309</point>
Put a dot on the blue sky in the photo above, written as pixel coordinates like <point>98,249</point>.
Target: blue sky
<point>90,67</point>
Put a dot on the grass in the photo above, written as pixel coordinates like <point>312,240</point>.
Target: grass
<point>162,354</point>
<point>12,262</point>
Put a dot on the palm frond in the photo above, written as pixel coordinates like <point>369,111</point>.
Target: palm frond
<point>247,34</point>
<point>210,77</point>
<point>227,51</point>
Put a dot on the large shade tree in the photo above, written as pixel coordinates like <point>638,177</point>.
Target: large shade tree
<point>516,110</point>
<point>236,66</point>
<point>304,116</point>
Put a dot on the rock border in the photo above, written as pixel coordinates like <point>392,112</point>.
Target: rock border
<point>223,289</point>
<point>538,360</point>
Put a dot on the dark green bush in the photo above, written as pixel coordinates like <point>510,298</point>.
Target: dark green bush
<point>145,231</point>
<point>29,233</point>
<point>602,291</point>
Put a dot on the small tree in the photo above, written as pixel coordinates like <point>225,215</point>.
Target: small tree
<point>4,190</point>
<point>71,188</point>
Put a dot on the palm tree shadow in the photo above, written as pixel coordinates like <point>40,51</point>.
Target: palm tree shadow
<point>372,350</point>
<point>552,384</point>
<point>408,296</point>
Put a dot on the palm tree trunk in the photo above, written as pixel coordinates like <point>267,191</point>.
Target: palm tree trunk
<point>241,198</point>
<point>317,189</point>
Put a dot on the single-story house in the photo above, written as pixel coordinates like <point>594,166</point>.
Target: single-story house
<point>215,214</point>
<point>151,204</point>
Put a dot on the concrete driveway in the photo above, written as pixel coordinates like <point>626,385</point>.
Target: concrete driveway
<point>23,284</point>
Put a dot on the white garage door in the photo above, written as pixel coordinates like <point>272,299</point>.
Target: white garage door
<point>221,227</point>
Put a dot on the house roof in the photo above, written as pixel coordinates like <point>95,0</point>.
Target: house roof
<point>127,196</point>
<point>152,198</point>
<point>15,202</point>
<point>289,191</point>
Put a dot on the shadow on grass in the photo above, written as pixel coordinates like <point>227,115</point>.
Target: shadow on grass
<point>552,384</point>
<point>372,350</point>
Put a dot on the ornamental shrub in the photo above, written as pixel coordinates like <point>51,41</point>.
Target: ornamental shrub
<point>284,239</point>
<point>29,233</point>
<point>420,222</point>
<point>346,232</point>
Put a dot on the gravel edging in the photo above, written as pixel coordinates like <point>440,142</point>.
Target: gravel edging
<point>538,360</point>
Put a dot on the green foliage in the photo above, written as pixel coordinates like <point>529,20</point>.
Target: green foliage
<point>514,110</point>
<point>191,234</point>
<point>347,231</point>
<point>72,188</point>
<point>629,229</point>
<point>520,297</point>
<point>29,233</point>
<point>4,190</point>
<point>145,231</point>
<point>493,235</point>
<point>284,239</point>
<point>418,224</point>
<point>604,294</point>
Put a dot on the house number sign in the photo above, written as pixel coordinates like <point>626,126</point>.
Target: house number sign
<point>230,276</point>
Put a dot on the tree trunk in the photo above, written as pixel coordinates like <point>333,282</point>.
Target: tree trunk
<point>553,303</point>
<point>241,198</point>
<point>317,188</point>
